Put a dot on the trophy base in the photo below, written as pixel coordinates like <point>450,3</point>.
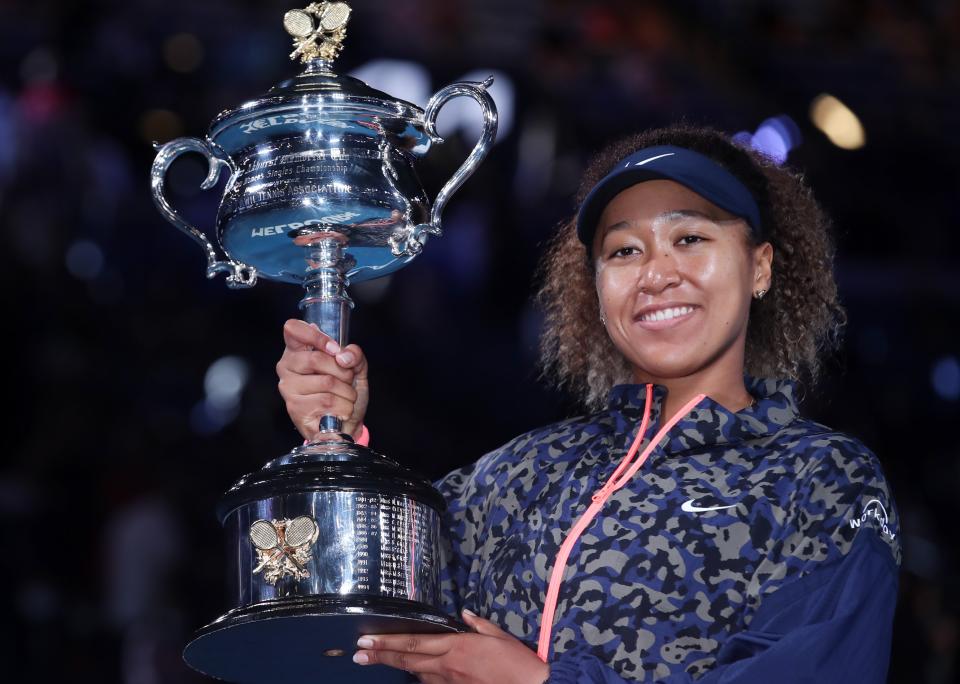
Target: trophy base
<point>313,636</point>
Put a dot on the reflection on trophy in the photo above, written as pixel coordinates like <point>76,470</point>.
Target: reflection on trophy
<point>331,540</point>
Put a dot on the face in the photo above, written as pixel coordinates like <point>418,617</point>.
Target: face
<point>675,277</point>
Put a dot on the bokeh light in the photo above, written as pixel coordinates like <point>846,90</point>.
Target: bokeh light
<point>39,65</point>
<point>945,378</point>
<point>403,79</point>
<point>775,137</point>
<point>84,259</point>
<point>160,125</point>
<point>183,52</point>
<point>837,122</point>
<point>225,380</point>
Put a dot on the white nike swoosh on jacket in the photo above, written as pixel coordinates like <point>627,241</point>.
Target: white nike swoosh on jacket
<point>690,507</point>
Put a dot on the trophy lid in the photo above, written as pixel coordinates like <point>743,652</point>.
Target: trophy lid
<point>318,82</point>
<point>318,95</point>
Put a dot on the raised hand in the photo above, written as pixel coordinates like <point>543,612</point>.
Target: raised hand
<point>318,378</point>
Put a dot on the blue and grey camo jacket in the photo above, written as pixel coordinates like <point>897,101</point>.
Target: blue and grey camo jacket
<point>755,546</point>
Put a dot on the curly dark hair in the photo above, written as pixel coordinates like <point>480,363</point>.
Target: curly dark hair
<point>788,331</point>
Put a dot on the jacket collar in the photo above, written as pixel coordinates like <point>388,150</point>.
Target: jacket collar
<point>708,423</point>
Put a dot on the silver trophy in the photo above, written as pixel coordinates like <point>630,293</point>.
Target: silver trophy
<point>331,540</point>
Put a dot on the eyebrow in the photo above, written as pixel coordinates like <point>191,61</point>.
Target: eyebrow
<point>673,215</point>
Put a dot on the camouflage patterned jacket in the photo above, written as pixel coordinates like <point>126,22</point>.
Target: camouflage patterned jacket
<point>751,547</point>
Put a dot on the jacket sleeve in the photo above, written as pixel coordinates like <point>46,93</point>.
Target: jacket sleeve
<point>834,625</point>
<point>826,595</point>
<point>466,492</point>
<point>458,543</point>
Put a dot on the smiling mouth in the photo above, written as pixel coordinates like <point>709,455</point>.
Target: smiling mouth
<point>666,314</point>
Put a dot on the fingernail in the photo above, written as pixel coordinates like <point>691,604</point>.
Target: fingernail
<point>365,642</point>
<point>469,613</point>
<point>345,359</point>
<point>332,347</point>
<point>360,658</point>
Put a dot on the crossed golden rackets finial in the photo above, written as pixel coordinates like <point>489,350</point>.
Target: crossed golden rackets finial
<point>318,30</point>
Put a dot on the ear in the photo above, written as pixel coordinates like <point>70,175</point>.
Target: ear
<point>762,266</point>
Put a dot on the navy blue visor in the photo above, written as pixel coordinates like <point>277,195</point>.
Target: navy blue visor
<point>691,169</point>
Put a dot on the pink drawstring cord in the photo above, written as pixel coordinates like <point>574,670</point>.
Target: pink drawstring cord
<point>624,472</point>
<point>364,438</point>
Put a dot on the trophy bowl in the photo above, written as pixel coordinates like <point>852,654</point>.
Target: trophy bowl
<point>331,540</point>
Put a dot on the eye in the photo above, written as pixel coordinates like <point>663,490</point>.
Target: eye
<point>623,252</point>
<point>690,240</point>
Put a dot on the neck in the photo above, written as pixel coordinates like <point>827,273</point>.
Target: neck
<point>724,386</point>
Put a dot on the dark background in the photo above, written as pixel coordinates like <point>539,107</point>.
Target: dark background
<point>116,451</point>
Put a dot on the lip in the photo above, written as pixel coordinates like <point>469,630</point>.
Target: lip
<point>663,325</point>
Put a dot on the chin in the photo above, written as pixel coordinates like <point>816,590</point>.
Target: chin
<point>662,358</point>
<point>663,369</point>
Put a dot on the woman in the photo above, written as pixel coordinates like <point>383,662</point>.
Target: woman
<point>692,526</point>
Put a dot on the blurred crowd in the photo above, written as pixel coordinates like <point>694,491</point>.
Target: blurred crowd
<point>139,390</point>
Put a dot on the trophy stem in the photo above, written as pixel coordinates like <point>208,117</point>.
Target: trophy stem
<point>326,302</point>
<point>319,66</point>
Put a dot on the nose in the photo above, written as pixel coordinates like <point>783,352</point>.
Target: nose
<point>658,273</point>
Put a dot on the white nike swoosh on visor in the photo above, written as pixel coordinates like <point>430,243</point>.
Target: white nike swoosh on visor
<point>659,156</point>
<point>690,507</point>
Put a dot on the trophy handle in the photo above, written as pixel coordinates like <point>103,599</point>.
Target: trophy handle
<point>239,275</point>
<point>478,91</point>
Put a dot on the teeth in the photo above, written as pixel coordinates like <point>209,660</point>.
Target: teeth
<point>666,314</point>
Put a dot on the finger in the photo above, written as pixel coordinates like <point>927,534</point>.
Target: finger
<point>481,625</point>
<point>300,335</point>
<point>306,413</point>
<point>360,381</point>
<point>426,644</point>
<point>417,663</point>
<point>309,388</point>
<point>352,357</point>
<point>312,363</point>
<point>306,410</point>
